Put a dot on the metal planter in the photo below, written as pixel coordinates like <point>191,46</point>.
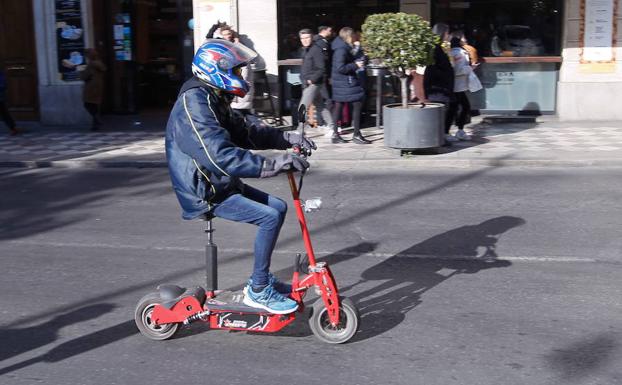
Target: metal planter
<point>413,127</point>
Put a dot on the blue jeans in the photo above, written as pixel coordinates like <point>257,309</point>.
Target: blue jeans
<point>263,210</point>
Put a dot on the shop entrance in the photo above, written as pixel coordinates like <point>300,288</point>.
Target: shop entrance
<point>18,58</point>
<point>148,48</point>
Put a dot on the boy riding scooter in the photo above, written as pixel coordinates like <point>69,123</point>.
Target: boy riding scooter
<point>208,151</point>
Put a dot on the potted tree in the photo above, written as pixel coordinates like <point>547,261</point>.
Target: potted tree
<point>401,42</point>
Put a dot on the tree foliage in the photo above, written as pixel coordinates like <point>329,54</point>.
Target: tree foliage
<point>401,41</point>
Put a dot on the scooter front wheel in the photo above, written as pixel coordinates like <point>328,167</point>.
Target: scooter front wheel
<point>146,325</point>
<point>349,320</point>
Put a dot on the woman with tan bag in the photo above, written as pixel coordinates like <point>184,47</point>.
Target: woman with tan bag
<point>464,80</point>
<point>93,76</point>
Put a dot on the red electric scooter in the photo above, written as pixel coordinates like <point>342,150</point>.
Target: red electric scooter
<point>333,319</point>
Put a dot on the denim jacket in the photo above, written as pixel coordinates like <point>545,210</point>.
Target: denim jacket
<point>208,148</point>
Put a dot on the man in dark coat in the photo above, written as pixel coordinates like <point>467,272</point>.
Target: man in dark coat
<point>314,75</point>
<point>322,40</point>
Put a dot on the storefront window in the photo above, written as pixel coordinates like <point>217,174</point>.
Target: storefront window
<point>294,15</point>
<point>505,28</point>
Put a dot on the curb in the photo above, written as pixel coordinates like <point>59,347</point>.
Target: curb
<point>83,164</point>
<point>404,163</point>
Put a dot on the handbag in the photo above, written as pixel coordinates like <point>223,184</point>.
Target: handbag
<point>474,83</point>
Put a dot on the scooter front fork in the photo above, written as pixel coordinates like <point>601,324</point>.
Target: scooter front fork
<point>322,278</point>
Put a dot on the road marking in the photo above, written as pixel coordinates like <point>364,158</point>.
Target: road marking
<point>539,258</point>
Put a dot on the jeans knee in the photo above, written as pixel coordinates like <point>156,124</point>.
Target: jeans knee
<point>272,219</point>
<point>280,206</point>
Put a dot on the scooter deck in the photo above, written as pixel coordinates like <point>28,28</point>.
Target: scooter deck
<point>231,301</point>
<point>229,312</point>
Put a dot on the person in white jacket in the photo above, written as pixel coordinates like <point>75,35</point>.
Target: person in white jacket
<point>461,107</point>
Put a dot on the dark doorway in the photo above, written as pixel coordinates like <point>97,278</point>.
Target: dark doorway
<point>148,47</point>
<point>18,58</point>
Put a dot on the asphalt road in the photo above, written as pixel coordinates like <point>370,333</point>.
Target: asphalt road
<point>464,276</point>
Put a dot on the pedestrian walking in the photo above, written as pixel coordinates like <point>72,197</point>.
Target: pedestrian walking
<point>345,83</point>
<point>4,110</point>
<point>460,107</point>
<point>313,77</point>
<point>93,93</point>
<point>323,40</point>
<point>438,79</point>
<point>474,83</point>
<point>472,51</point>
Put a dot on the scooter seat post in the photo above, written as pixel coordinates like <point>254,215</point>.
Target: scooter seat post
<point>211,258</point>
<point>209,230</point>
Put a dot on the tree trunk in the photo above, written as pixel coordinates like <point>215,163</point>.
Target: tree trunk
<point>404,81</point>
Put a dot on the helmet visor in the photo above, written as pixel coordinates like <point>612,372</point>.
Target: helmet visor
<point>239,54</point>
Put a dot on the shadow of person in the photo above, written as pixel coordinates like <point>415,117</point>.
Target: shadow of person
<point>404,278</point>
<point>467,241</point>
<point>79,345</point>
<point>18,341</point>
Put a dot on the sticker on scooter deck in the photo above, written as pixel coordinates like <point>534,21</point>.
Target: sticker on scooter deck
<point>242,321</point>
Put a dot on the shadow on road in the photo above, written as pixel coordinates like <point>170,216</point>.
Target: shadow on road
<point>580,359</point>
<point>79,345</point>
<point>419,278</point>
<point>405,277</point>
<point>21,340</point>
<point>34,202</point>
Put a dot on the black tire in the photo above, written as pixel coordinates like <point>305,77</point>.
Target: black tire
<point>349,321</point>
<point>142,317</point>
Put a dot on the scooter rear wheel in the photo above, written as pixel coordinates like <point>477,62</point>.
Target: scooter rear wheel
<point>349,320</point>
<point>146,325</point>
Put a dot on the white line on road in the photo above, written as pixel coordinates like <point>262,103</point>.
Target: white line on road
<point>385,255</point>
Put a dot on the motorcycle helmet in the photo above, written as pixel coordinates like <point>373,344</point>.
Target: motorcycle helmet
<point>218,63</point>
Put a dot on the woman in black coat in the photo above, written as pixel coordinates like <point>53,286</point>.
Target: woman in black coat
<point>438,80</point>
<point>346,85</point>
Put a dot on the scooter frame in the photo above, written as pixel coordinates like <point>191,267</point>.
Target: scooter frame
<point>195,305</point>
<point>333,319</point>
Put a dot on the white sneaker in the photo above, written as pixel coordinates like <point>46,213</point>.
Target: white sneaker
<point>450,138</point>
<point>328,130</point>
<point>463,135</point>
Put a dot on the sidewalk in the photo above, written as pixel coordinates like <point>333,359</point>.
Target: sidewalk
<point>130,144</point>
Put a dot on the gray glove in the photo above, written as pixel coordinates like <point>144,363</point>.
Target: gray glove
<point>294,138</point>
<point>282,163</point>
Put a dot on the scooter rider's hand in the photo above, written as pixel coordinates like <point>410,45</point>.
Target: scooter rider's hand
<point>294,138</point>
<point>281,163</point>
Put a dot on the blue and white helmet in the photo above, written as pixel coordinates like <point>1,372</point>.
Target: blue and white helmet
<point>218,63</point>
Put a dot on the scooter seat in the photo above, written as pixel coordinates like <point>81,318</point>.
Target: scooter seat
<point>171,294</point>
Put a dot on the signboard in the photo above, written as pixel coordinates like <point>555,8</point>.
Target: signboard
<point>516,87</point>
<point>122,36</point>
<point>598,31</point>
<point>69,39</point>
